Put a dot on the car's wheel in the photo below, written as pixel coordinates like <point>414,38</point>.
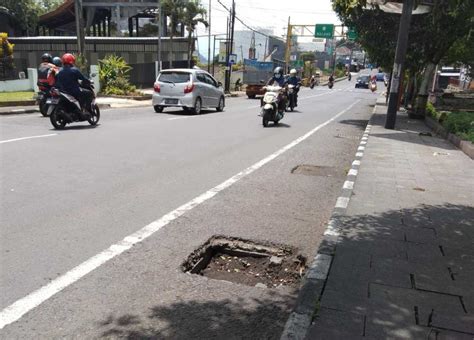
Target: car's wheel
<point>221,105</point>
<point>197,106</point>
<point>158,108</point>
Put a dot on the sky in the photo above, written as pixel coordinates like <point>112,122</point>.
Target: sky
<point>271,14</point>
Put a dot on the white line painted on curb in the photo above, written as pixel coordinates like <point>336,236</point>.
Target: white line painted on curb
<point>356,163</point>
<point>25,138</point>
<point>359,154</point>
<point>352,172</point>
<point>365,139</point>
<point>348,185</point>
<point>363,143</point>
<point>342,202</point>
<point>361,148</point>
<point>320,267</point>
<point>22,306</point>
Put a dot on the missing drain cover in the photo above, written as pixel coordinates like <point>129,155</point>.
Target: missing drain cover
<point>247,262</point>
<point>314,170</point>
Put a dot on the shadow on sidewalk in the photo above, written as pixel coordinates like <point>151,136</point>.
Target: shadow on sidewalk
<point>224,319</point>
<point>408,130</point>
<point>401,274</point>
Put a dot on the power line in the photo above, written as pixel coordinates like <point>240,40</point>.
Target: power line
<point>243,23</point>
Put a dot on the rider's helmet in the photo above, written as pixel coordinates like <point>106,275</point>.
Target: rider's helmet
<point>57,61</point>
<point>68,59</point>
<point>46,58</point>
<point>278,72</point>
<point>292,72</point>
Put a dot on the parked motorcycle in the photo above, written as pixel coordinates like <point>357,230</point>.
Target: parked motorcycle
<point>65,109</point>
<point>270,105</point>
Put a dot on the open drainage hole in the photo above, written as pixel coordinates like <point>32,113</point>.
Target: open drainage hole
<point>247,262</point>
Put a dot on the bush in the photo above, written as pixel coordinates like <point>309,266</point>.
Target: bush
<point>461,124</point>
<point>113,75</point>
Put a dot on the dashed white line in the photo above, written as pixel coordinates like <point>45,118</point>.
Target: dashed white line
<point>22,306</point>
<point>25,138</point>
<point>359,154</point>
<point>356,163</point>
<point>352,172</point>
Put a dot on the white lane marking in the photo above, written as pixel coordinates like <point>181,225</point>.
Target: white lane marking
<point>348,185</point>
<point>25,138</point>
<point>22,306</point>
<point>363,142</point>
<point>361,148</point>
<point>342,202</point>
<point>359,154</point>
<point>352,172</point>
<point>184,117</point>
<point>356,163</point>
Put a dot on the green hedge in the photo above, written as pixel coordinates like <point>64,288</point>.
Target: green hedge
<point>460,123</point>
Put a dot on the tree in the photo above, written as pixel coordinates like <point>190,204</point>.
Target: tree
<point>431,37</point>
<point>193,15</point>
<point>173,9</point>
<point>25,11</point>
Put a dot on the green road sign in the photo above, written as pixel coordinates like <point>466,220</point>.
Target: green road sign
<point>324,31</point>
<point>351,34</point>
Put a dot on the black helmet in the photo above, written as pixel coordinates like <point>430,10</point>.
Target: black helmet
<point>278,72</point>
<point>57,61</point>
<point>46,57</point>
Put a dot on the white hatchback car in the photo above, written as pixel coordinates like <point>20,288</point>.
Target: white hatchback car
<point>190,89</point>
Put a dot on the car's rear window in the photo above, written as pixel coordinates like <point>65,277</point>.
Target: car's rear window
<point>174,77</point>
<point>365,78</point>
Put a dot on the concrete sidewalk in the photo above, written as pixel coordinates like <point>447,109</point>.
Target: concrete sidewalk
<point>403,265</point>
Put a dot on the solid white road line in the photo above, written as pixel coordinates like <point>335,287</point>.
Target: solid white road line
<point>22,306</point>
<point>25,138</point>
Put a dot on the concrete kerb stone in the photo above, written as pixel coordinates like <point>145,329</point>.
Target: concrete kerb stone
<point>36,110</point>
<point>307,304</point>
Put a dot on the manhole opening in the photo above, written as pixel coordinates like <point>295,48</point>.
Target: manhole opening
<point>315,170</point>
<point>247,262</point>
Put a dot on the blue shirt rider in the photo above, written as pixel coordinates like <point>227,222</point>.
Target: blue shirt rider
<point>294,80</point>
<point>277,77</point>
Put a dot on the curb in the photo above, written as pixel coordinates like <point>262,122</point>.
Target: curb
<point>18,103</point>
<point>307,303</point>
<point>137,98</point>
<point>465,146</point>
<point>35,110</point>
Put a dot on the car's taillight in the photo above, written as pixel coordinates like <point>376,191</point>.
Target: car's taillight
<point>189,88</point>
<point>156,87</point>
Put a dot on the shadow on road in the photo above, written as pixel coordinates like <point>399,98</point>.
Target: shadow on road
<point>76,127</point>
<point>225,319</point>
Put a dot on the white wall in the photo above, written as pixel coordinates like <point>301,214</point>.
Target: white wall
<point>21,84</point>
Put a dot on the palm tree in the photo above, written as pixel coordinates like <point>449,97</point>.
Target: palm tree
<point>173,9</point>
<point>193,15</point>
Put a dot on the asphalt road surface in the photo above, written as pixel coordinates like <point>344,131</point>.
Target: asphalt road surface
<point>96,222</point>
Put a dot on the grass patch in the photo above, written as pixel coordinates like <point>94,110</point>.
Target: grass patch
<point>16,96</point>
<point>459,123</point>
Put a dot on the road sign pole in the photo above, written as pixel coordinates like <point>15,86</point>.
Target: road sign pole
<point>400,53</point>
<point>288,46</point>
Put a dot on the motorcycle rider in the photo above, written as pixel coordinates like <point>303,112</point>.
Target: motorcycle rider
<point>67,81</point>
<point>278,79</point>
<point>294,80</point>
<point>53,71</point>
<point>43,69</point>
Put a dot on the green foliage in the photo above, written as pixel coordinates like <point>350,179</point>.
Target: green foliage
<point>26,12</point>
<point>149,30</point>
<point>193,15</point>
<point>308,56</point>
<point>461,124</point>
<point>114,75</point>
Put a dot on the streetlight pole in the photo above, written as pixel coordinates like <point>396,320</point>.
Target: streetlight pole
<point>209,42</point>
<point>79,27</point>
<point>402,43</point>
<point>160,23</point>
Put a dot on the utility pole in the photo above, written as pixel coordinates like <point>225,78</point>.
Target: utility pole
<point>288,46</point>
<point>209,43</point>
<point>402,43</point>
<point>160,23</point>
<point>81,46</point>
<point>230,48</point>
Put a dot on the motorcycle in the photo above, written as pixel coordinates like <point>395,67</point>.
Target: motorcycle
<point>291,102</point>
<point>349,76</point>
<point>65,109</point>
<point>270,103</point>
<point>41,99</point>
<point>330,84</point>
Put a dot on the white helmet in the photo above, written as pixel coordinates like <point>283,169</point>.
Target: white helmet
<point>293,71</point>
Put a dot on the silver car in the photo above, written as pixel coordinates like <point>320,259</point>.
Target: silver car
<point>190,89</point>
